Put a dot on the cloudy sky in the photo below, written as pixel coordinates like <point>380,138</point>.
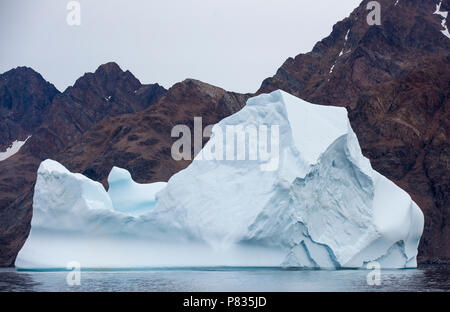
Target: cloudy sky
<point>233,44</point>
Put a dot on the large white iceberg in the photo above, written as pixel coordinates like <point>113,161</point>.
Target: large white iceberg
<point>321,206</point>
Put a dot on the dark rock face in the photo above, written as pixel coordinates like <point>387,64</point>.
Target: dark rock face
<point>106,93</point>
<point>371,54</point>
<point>25,98</point>
<point>394,80</point>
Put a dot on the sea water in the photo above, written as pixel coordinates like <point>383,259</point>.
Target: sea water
<point>223,279</point>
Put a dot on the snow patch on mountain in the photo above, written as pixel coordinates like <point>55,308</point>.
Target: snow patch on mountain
<point>13,149</point>
<point>444,15</point>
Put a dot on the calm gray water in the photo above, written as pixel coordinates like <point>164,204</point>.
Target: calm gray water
<point>430,278</point>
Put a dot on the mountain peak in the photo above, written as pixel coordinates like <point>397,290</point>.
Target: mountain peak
<point>25,97</point>
<point>22,75</point>
<point>20,70</point>
<point>200,86</point>
<point>106,78</point>
<point>110,68</point>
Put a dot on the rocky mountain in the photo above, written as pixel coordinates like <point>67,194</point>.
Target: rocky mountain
<point>107,92</point>
<point>364,55</point>
<point>25,98</point>
<point>394,80</point>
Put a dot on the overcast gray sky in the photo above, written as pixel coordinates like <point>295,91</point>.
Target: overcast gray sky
<point>233,44</point>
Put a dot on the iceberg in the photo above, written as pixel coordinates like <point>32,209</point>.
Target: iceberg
<point>321,206</point>
<point>130,197</point>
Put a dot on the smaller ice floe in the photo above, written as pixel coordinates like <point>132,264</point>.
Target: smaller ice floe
<point>13,149</point>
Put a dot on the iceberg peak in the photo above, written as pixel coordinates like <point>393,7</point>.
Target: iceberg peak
<point>118,174</point>
<point>130,197</point>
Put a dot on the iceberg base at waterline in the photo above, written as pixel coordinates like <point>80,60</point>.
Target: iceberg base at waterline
<point>75,219</point>
<point>321,206</point>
